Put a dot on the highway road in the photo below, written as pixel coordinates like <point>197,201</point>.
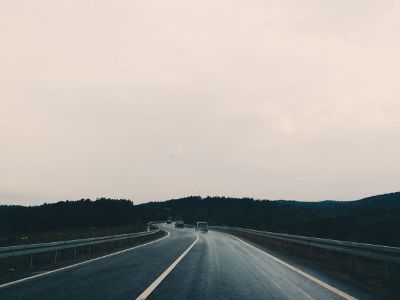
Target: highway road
<point>183,265</point>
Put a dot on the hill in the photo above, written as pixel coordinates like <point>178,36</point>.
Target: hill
<point>373,220</point>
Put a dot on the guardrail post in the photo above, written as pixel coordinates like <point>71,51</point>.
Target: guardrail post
<point>31,261</point>
<point>74,252</point>
<point>387,272</point>
<point>55,256</point>
<point>351,264</point>
<point>89,249</point>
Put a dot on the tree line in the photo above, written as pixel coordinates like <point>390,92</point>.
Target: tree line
<point>372,220</point>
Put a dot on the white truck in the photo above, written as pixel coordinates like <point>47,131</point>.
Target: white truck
<point>201,226</point>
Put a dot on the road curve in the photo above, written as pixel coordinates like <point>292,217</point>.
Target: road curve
<point>122,276</point>
<point>217,266</point>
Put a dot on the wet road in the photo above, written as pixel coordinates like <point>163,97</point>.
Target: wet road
<point>217,266</point>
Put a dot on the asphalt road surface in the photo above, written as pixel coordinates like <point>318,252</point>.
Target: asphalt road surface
<point>217,266</point>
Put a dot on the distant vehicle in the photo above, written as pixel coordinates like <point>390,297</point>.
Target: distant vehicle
<point>169,222</point>
<point>202,226</point>
<point>179,224</point>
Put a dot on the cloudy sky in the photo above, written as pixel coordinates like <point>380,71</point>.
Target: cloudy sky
<point>151,100</point>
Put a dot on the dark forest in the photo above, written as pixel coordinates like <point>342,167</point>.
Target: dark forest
<point>372,220</point>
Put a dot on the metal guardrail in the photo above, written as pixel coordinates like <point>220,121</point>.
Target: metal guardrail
<point>377,252</point>
<point>155,222</point>
<point>19,250</point>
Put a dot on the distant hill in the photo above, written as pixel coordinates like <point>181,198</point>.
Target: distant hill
<point>373,220</point>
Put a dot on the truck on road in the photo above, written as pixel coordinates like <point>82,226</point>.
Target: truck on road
<point>201,226</point>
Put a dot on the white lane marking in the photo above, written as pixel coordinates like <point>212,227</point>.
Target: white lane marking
<point>81,263</point>
<point>312,278</point>
<point>154,285</point>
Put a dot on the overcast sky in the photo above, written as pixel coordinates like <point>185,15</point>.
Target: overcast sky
<point>151,100</point>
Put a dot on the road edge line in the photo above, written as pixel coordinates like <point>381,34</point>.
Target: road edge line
<point>146,293</point>
<point>308,276</point>
<point>4,285</point>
